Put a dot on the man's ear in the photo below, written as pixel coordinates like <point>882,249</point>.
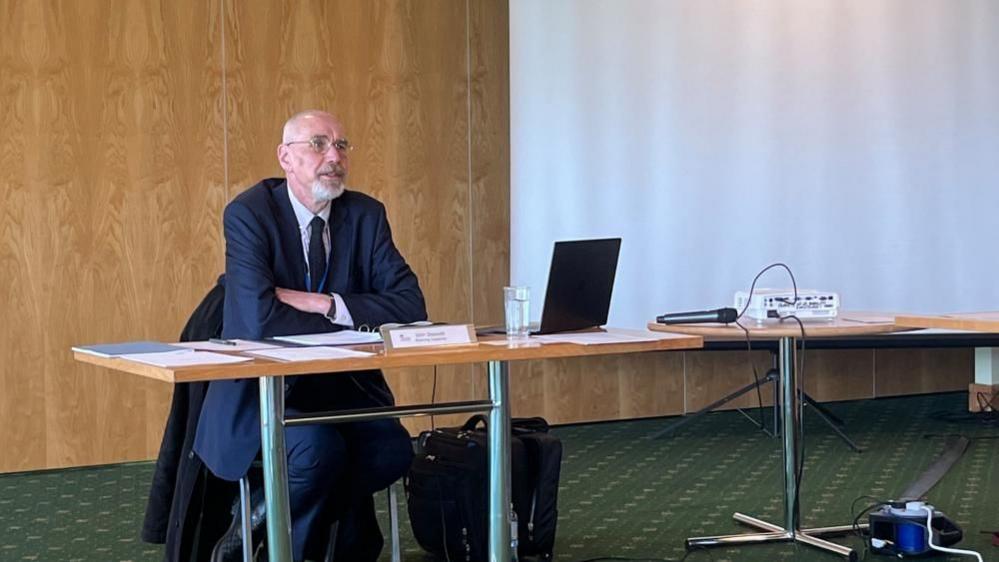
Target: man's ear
<point>284,157</point>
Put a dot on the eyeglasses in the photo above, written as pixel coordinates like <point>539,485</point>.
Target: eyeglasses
<point>321,143</point>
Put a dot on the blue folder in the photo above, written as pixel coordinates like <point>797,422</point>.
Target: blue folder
<point>125,348</point>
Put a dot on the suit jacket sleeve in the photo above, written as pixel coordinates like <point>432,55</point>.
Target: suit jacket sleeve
<point>252,310</point>
<point>394,293</point>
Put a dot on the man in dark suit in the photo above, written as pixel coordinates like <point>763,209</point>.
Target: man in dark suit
<point>305,255</point>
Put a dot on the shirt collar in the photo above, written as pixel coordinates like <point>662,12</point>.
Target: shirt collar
<point>304,215</point>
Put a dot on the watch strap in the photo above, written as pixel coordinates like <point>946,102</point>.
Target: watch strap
<point>331,313</point>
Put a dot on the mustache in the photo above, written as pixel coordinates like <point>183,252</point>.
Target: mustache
<point>333,169</point>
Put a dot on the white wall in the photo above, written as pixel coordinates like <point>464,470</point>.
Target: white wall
<point>856,140</point>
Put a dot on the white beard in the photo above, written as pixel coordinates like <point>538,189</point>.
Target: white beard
<point>322,193</point>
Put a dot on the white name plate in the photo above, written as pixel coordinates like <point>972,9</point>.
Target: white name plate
<point>407,337</point>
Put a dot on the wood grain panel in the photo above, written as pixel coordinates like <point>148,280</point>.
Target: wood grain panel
<point>911,371</point>
<point>710,375</point>
<point>527,388</point>
<point>490,158</point>
<point>651,385</point>
<point>116,190</point>
<point>22,350</point>
<point>599,388</point>
<point>832,375</point>
<point>489,164</point>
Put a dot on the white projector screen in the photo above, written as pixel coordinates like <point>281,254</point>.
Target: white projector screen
<point>855,140</point>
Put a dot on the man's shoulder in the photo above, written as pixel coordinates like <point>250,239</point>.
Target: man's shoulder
<point>259,194</point>
<point>361,201</point>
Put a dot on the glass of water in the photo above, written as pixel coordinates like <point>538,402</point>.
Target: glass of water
<point>516,301</point>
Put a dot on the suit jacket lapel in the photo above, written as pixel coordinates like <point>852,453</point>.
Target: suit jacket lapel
<point>342,248</point>
<point>291,237</point>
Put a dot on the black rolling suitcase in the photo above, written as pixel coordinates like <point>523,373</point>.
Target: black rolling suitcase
<point>447,489</point>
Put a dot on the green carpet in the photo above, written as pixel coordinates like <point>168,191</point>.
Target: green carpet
<point>621,494</point>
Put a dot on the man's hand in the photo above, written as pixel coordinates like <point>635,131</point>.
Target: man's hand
<point>317,303</point>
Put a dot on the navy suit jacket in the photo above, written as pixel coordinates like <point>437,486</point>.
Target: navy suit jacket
<point>264,251</point>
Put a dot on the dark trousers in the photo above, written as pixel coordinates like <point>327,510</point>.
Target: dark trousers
<point>334,468</point>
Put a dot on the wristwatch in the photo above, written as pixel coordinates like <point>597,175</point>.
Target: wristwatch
<point>331,313</point>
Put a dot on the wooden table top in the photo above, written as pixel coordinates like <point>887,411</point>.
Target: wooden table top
<point>971,321</point>
<point>489,348</point>
<point>846,324</point>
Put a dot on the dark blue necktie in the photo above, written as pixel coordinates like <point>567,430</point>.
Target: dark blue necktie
<point>317,253</point>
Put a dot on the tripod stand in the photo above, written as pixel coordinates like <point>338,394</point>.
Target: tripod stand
<point>772,376</point>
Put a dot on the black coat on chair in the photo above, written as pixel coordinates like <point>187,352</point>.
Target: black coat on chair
<point>189,508</point>
<point>181,512</point>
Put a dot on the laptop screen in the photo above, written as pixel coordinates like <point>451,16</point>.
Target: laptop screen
<point>580,282</point>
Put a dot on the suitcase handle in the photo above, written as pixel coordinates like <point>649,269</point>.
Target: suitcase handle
<point>521,425</point>
<point>473,422</point>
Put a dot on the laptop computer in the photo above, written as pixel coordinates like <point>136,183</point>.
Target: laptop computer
<point>580,282</point>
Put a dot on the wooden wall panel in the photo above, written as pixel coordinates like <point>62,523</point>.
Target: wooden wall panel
<point>489,148</point>
<point>598,388</point>
<point>833,374</point>
<point>710,375</point>
<point>115,233</point>
<point>489,165</point>
<point>114,183</point>
<point>651,385</point>
<point>910,371</point>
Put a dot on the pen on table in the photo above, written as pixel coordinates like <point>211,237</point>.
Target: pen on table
<point>221,341</point>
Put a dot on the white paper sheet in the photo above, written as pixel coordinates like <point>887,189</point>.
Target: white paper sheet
<point>184,358</point>
<point>599,338</point>
<point>343,337</point>
<point>307,353</point>
<point>236,345</point>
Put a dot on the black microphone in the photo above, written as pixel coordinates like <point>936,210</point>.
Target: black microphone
<point>722,315</point>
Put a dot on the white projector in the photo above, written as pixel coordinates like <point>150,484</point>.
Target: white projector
<point>777,303</point>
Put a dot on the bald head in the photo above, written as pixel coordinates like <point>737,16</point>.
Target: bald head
<point>314,165</point>
<point>305,120</point>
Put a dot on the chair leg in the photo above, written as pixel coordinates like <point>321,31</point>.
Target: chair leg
<point>331,545</point>
<point>244,507</point>
<point>393,509</point>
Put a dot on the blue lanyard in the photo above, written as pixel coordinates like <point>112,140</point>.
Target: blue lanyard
<point>322,284</point>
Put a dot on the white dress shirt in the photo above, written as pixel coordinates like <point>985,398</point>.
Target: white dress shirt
<point>304,217</point>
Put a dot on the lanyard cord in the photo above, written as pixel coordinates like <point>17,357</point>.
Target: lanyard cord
<point>322,284</point>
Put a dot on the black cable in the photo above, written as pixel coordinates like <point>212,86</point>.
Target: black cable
<point>856,522</point>
<point>752,287</point>
<point>433,400</point>
<point>749,345</point>
<point>855,517</point>
<point>626,559</point>
<point>600,558</point>
<point>983,419</point>
<point>800,460</point>
<point>971,439</point>
<point>756,374</point>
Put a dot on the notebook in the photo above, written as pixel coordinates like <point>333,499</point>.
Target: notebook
<point>580,282</point>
